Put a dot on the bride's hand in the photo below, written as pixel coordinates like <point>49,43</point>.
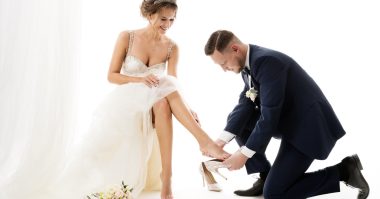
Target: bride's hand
<point>195,116</point>
<point>150,80</point>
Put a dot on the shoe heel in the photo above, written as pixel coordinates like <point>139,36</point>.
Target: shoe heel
<point>203,180</point>
<point>214,166</point>
<point>217,172</point>
<point>202,175</point>
<point>357,161</point>
<point>208,179</point>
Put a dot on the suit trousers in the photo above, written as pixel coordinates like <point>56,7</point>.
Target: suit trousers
<point>287,178</point>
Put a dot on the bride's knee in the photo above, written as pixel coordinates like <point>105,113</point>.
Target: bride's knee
<point>162,106</point>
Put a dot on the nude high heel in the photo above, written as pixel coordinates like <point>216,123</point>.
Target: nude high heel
<point>207,176</point>
<point>214,165</point>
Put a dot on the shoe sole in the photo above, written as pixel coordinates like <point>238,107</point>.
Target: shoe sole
<point>360,167</point>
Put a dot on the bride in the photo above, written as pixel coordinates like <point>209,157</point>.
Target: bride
<point>121,144</point>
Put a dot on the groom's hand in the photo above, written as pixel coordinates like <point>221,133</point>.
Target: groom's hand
<point>236,161</point>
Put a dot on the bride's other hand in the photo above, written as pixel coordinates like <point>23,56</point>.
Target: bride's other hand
<point>150,80</point>
<point>195,115</point>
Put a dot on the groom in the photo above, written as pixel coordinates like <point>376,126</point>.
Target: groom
<point>281,100</point>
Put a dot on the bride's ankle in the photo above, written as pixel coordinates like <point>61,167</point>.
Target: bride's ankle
<point>166,176</point>
<point>205,140</point>
<point>207,144</point>
<point>209,147</point>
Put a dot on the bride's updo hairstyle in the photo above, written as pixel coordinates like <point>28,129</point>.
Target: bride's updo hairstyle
<point>150,7</point>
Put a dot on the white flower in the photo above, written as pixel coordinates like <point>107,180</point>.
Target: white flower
<point>251,93</point>
<point>114,192</point>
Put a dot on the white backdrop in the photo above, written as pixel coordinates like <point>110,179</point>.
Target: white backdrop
<point>39,59</point>
<point>336,42</point>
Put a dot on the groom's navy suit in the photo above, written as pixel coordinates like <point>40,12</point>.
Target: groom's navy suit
<point>289,106</point>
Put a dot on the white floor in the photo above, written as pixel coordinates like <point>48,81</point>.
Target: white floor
<point>192,188</point>
<point>187,181</point>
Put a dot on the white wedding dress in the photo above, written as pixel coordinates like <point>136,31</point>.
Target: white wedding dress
<point>121,144</point>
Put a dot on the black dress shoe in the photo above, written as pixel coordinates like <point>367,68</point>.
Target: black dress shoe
<point>255,190</point>
<point>355,177</point>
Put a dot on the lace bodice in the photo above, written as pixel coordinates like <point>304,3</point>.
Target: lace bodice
<point>133,66</point>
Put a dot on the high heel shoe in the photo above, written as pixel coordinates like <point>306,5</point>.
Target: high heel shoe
<point>214,165</point>
<point>207,176</point>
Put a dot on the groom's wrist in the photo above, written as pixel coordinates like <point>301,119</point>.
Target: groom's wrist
<point>247,152</point>
<point>226,136</point>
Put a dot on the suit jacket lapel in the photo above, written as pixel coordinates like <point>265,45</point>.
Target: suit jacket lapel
<point>253,68</point>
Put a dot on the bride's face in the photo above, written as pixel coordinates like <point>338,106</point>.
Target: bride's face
<point>162,20</point>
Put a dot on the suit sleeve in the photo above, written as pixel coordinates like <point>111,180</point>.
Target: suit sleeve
<point>240,116</point>
<point>272,77</point>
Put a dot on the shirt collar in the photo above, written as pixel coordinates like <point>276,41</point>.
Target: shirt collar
<point>247,59</point>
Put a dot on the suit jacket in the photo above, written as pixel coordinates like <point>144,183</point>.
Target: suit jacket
<point>290,106</point>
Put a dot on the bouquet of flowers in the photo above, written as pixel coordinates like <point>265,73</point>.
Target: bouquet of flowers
<point>115,192</point>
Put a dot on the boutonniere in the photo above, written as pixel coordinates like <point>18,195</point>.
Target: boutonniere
<point>251,93</point>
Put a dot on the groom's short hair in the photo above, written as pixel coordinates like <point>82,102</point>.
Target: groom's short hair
<point>218,40</point>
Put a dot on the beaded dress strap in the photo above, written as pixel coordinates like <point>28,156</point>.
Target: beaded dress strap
<point>170,50</point>
<point>131,37</point>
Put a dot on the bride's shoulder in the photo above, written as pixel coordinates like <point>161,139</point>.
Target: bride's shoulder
<point>170,42</point>
<point>127,33</point>
<point>124,35</point>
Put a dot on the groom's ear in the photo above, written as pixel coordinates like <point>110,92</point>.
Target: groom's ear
<point>235,47</point>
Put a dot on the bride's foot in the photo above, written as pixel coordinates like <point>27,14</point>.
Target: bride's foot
<point>214,151</point>
<point>166,189</point>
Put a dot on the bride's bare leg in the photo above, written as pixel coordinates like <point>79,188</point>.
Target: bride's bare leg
<point>164,129</point>
<point>184,116</point>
